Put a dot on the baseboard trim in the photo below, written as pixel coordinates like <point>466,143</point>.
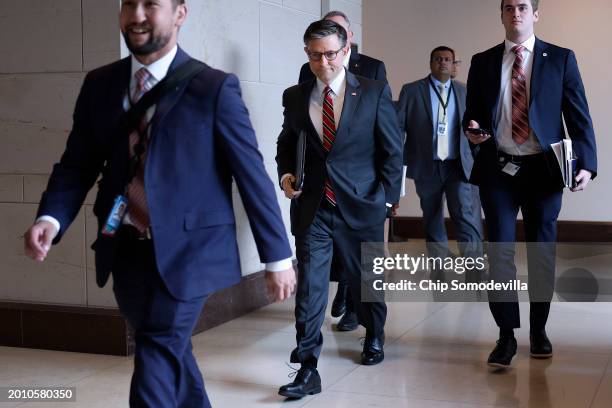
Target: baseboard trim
<point>104,330</point>
<point>567,231</point>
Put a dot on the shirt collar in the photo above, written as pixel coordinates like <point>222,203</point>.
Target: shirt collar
<point>438,83</point>
<point>529,44</point>
<point>347,58</point>
<point>335,85</point>
<point>157,69</point>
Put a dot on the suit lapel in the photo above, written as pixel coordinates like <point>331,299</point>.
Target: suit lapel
<point>171,98</point>
<point>352,94</point>
<point>306,90</point>
<point>426,97</point>
<point>539,61</point>
<point>495,68</point>
<point>118,91</point>
<point>354,66</point>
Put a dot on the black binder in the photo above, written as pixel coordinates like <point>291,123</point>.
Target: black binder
<point>300,159</point>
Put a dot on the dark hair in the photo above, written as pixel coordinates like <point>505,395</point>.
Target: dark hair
<point>441,48</point>
<point>325,28</point>
<point>534,5</point>
<point>337,13</point>
<point>175,3</point>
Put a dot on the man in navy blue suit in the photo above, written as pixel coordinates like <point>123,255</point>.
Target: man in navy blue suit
<point>517,94</point>
<point>177,242</point>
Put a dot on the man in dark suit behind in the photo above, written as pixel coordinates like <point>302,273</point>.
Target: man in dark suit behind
<point>177,243</point>
<point>518,92</point>
<point>438,158</point>
<point>352,175</point>
<point>362,65</point>
<point>356,63</point>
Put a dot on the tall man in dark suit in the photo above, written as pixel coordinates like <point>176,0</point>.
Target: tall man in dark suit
<point>518,92</point>
<point>438,158</point>
<point>362,65</point>
<point>352,175</point>
<point>177,243</point>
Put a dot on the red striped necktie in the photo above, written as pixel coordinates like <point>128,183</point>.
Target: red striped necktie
<point>329,135</point>
<point>520,104</point>
<point>137,200</point>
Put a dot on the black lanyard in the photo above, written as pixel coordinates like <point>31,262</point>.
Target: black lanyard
<point>450,90</point>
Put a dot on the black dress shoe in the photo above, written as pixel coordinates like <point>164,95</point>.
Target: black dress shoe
<point>349,322</point>
<point>306,382</point>
<point>339,303</point>
<point>540,346</point>
<point>373,352</point>
<point>502,354</point>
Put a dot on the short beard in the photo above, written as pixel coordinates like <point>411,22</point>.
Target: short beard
<point>154,44</point>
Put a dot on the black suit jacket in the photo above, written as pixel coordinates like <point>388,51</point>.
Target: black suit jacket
<point>364,165</point>
<point>359,64</point>
<point>557,92</point>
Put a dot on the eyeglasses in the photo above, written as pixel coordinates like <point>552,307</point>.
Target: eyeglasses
<point>440,59</point>
<point>329,55</point>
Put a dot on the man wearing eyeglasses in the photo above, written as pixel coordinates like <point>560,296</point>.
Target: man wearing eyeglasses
<point>352,173</point>
<point>438,159</point>
<point>363,65</point>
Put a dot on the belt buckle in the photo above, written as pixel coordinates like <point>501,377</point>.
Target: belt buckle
<point>146,235</point>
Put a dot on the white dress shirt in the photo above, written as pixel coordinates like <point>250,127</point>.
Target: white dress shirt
<point>338,86</point>
<point>159,70</point>
<point>504,114</point>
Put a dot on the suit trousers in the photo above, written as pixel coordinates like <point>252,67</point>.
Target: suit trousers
<point>534,194</point>
<point>314,250</point>
<point>462,201</point>
<point>337,274</point>
<point>165,371</point>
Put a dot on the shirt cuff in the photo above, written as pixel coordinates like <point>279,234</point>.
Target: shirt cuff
<point>52,220</point>
<point>278,266</point>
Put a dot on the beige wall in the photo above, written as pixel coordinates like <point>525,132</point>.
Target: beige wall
<point>49,45</point>
<point>403,32</point>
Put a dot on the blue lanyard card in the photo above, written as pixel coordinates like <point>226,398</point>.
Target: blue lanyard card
<point>115,218</point>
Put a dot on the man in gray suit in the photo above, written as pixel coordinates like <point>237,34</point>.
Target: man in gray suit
<point>438,157</point>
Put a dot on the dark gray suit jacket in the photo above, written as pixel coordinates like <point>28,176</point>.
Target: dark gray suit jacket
<point>416,121</point>
<point>364,165</point>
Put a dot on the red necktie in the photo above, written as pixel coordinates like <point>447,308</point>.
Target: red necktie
<point>137,199</point>
<point>329,135</point>
<point>520,105</point>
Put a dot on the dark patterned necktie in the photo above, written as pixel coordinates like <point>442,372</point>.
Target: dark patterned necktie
<point>329,135</point>
<point>520,105</point>
<point>137,199</point>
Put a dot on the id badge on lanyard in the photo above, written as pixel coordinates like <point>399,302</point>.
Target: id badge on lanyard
<point>115,217</point>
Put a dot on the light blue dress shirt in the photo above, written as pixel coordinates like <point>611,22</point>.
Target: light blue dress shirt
<point>451,116</point>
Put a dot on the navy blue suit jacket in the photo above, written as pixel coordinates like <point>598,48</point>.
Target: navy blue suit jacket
<point>557,92</point>
<point>201,138</point>
<point>359,64</point>
<point>364,165</point>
